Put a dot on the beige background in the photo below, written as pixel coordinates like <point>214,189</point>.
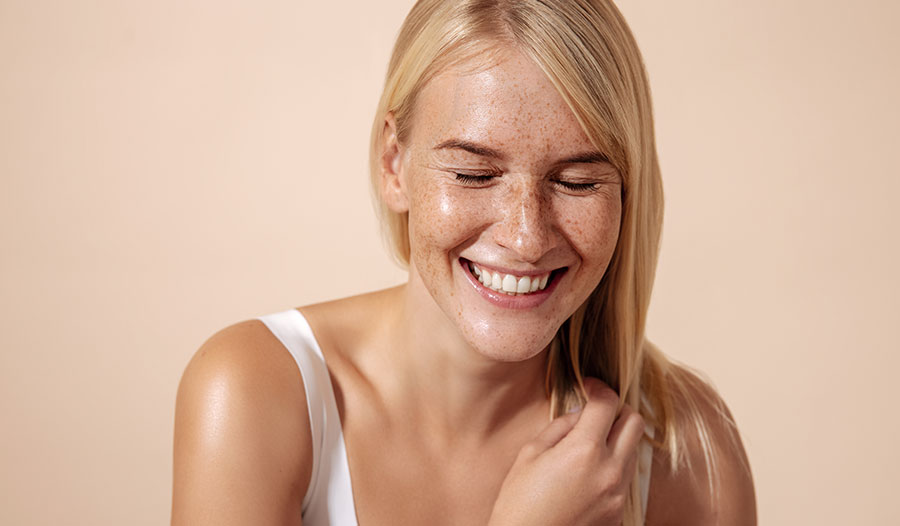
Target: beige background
<point>171,167</point>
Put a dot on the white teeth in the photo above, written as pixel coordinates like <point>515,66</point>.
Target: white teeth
<point>524,285</point>
<point>508,283</point>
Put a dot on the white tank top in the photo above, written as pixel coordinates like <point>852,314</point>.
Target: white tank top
<point>329,498</point>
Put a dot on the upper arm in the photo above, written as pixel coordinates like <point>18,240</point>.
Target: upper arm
<point>685,496</point>
<point>242,440</point>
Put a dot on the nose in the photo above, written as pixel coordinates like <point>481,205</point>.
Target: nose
<point>526,224</point>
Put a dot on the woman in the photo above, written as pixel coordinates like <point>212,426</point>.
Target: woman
<point>515,167</point>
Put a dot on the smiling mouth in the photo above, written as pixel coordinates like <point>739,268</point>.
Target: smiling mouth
<point>511,284</point>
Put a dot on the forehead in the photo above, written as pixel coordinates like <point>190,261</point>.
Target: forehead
<point>509,104</point>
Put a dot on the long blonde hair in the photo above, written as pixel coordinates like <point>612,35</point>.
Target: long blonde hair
<point>588,52</point>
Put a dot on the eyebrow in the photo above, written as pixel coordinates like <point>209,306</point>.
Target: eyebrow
<point>484,151</point>
<point>586,158</point>
<point>471,147</point>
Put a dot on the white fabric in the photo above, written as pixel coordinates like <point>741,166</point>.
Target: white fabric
<point>329,499</point>
<point>645,462</point>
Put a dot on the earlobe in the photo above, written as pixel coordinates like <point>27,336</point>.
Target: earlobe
<point>393,183</point>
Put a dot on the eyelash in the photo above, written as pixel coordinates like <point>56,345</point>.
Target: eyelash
<point>474,179</point>
<point>578,187</point>
<point>482,179</point>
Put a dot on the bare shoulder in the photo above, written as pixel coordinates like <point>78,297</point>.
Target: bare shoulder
<point>242,440</point>
<point>349,324</point>
<point>688,495</point>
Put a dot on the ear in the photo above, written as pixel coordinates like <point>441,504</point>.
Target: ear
<point>393,177</point>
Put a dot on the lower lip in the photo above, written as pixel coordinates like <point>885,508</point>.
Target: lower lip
<point>501,299</point>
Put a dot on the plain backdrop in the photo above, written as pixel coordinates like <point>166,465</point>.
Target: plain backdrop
<point>169,168</point>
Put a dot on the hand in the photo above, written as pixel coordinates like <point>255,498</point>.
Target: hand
<point>577,471</point>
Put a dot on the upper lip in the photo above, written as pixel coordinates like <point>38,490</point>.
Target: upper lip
<point>513,272</point>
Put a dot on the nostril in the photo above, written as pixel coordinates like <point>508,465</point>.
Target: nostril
<point>524,225</point>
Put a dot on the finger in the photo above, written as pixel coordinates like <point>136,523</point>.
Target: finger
<point>554,432</point>
<point>599,411</point>
<point>626,433</point>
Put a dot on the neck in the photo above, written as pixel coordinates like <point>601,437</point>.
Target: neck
<point>453,392</point>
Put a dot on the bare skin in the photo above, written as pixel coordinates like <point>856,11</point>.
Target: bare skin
<point>242,444</point>
<point>440,392</point>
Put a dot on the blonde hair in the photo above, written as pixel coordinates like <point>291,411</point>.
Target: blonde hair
<point>588,52</point>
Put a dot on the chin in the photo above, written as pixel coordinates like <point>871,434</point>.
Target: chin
<point>510,350</point>
<point>509,336</point>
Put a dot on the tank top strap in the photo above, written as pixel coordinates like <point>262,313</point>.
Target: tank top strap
<point>329,498</point>
<point>645,461</point>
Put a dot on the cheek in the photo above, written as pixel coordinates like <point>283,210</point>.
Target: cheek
<point>443,216</point>
<point>593,229</point>
<point>441,221</point>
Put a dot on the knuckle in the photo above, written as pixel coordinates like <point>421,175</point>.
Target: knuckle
<point>599,391</point>
<point>590,382</point>
<point>568,420</point>
<point>625,414</point>
<point>613,479</point>
<point>608,396</point>
<point>617,503</point>
<point>616,477</point>
<point>635,419</point>
<point>529,450</point>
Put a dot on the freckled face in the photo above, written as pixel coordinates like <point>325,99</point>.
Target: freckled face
<point>498,172</point>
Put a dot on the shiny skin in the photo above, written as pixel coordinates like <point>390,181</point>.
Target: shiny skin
<point>524,217</point>
<point>440,393</point>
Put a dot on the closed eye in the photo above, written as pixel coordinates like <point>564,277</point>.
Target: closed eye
<point>578,187</point>
<point>474,180</point>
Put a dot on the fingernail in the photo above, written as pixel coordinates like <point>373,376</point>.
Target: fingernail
<point>575,409</point>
